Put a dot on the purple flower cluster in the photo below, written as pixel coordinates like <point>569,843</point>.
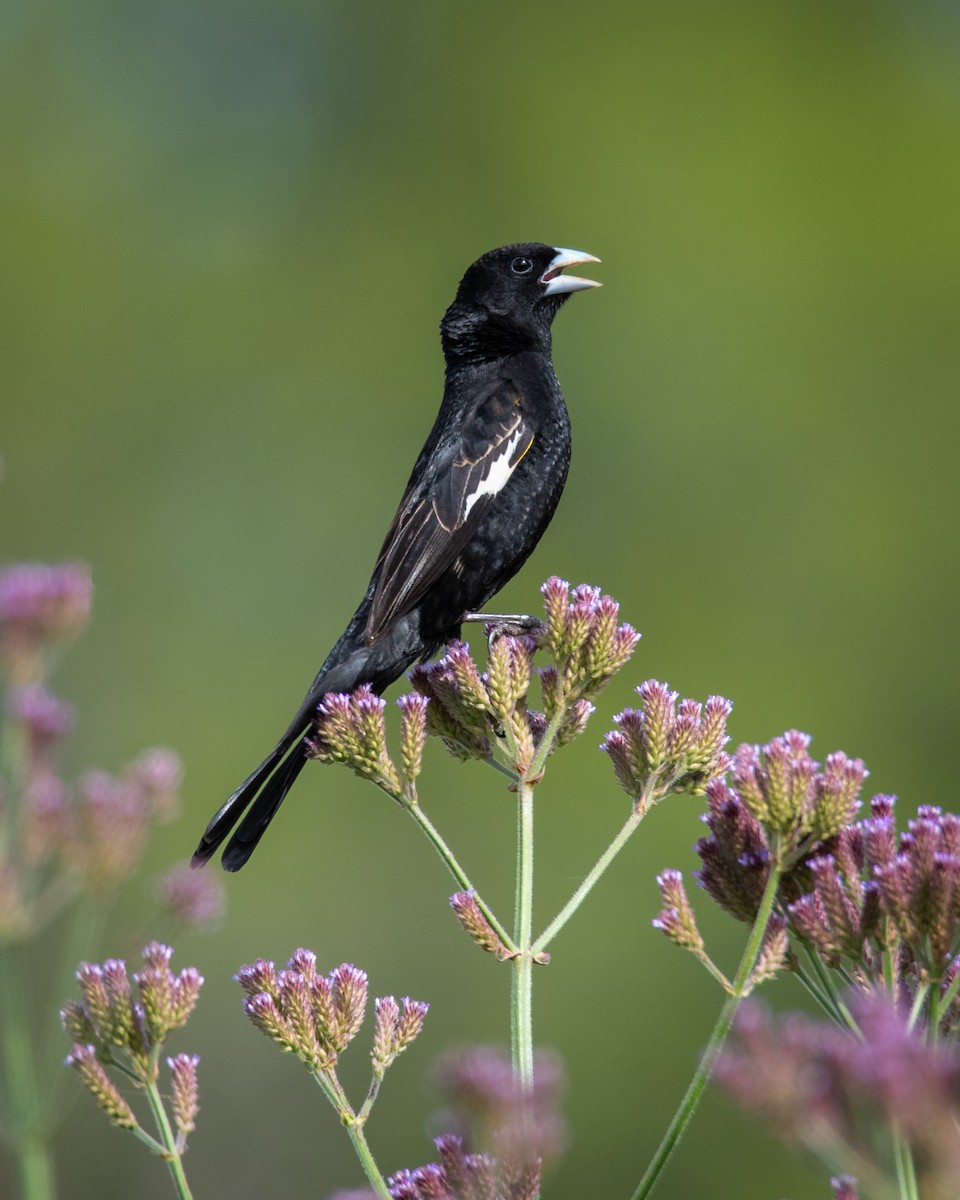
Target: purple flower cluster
<point>462,1176</point>
<point>40,605</point>
<point>660,747</point>
<point>585,640</point>
<point>112,1017</point>
<point>520,1127</point>
<point>520,1130</point>
<point>195,899</point>
<point>115,1025</point>
<point>61,837</point>
<point>351,729</point>
<point>781,807</point>
<point>316,1016</point>
<point>474,711</point>
<point>888,903</point>
<point>825,1087</point>
<point>474,922</point>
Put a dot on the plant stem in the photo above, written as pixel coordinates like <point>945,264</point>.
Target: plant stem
<point>545,744</point>
<point>718,1036</point>
<point>522,1023</point>
<point>27,1134</point>
<point>353,1123</point>
<point>906,1170</point>
<point>171,1155</point>
<point>367,1162</point>
<point>948,996</point>
<point>826,993</point>
<point>637,814</point>
<point>453,866</point>
<point>917,1007</point>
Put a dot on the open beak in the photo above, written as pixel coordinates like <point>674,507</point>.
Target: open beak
<point>555,283</point>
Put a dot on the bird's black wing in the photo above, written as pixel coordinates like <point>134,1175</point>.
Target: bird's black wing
<point>441,510</point>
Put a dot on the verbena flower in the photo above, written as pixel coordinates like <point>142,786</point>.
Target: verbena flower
<point>585,640</point>
<point>475,924</point>
<point>458,1175</point>
<point>185,1094</point>
<point>118,1025</point>
<point>351,729</point>
<point>520,1127</point>
<point>676,919</point>
<point>60,837</point>
<point>519,1131</point>
<point>781,805</point>
<point>195,899</point>
<point>824,1087</point>
<point>473,711</point>
<point>665,747</point>
<point>40,605</point>
<point>316,1016</point>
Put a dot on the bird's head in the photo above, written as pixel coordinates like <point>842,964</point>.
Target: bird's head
<point>508,298</point>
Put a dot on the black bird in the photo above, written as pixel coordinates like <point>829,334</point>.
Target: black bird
<point>480,496</point>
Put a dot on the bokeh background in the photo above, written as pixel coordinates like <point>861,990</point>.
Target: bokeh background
<point>229,232</point>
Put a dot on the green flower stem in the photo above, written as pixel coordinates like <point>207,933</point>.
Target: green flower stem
<point>545,745</point>
<point>944,1001</point>
<point>718,1036</point>
<point>365,1155</point>
<point>906,1169</point>
<point>171,1155</point>
<point>353,1123</point>
<point>501,767</point>
<point>714,970</point>
<point>820,984</point>
<point>21,1086</point>
<point>916,1008</point>
<point>521,1026</point>
<point>453,866</point>
<point>823,998</point>
<point>637,813</point>
<point>372,1092</point>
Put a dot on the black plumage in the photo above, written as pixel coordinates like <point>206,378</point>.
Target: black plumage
<point>480,495</point>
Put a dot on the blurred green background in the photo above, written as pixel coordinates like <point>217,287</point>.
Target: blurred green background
<point>230,230</point>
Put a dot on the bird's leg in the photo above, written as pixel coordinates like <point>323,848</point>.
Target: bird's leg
<point>498,625</point>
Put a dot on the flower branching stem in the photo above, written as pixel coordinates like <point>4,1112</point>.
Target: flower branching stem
<point>167,1149</point>
<point>522,993</point>
<point>28,1137</point>
<point>354,1123</point>
<point>637,813</point>
<point>701,1077</point>
<point>412,806</point>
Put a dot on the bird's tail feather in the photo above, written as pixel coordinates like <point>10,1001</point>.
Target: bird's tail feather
<point>271,795</point>
<point>263,791</point>
<point>224,819</point>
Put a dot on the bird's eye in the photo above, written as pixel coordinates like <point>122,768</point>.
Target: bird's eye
<point>521,266</point>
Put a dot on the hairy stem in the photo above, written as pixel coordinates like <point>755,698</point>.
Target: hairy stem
<point>171,1155</point>
<point>353,1123</point>
<point>27,1134</point>
<point>718,1036</point>
<point>453,866</point>
<point>906,1170</point>
<point>522,1023</point>
<point>637,813</point>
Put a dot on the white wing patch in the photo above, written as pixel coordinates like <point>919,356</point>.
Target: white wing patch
<point>499,471</point>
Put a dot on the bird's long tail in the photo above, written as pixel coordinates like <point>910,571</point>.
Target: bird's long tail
<point>349,663</point>
<point>263,792</point>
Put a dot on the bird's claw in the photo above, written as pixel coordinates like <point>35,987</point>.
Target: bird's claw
<point>498,625</point>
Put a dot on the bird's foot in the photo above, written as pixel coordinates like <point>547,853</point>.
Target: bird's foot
<point>498,625</point>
